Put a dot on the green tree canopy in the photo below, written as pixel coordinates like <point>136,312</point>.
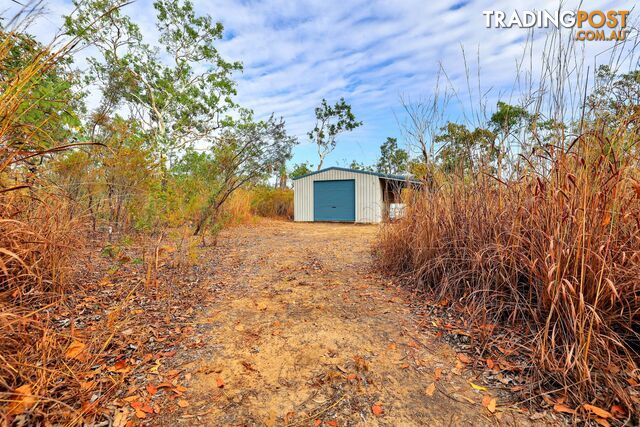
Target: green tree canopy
<point>246,151</point>
<point>359,166</point>
<point>508,118</point>
<point>330,122</point>
<point>393,160</point>
<point>48,115</point>
<point>506,123</point>
<point>465,150</point>
<point>616,96</point>
<point>179,92</point>
<point>300,169</point>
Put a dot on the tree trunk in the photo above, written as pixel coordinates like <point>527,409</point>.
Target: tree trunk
<point>110,203</point>
<point>91,211</point>
<point>163,173</point>
<point>200,224</point>
<point>207,212</point>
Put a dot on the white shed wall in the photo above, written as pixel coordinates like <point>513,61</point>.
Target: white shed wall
<point>369,203</point>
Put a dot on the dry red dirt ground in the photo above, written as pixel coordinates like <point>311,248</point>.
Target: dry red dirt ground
<point>303,333</point>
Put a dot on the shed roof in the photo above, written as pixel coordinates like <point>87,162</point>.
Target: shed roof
<point>378,174</point>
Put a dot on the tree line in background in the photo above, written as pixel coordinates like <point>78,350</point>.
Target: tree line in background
<point>166,143</point>
<point>449,148</point>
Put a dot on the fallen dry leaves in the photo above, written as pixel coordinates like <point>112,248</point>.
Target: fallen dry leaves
<point>120,417</point>
<point>75,349</point>
<point>431,388</point>
<point>602,422</point>
<point>377,410</point>
<point>121,366</point>
<point>23,401</point>
<point>141,409</point>
<point>561,407</point>
<point>457,370</point>
<point>178,389</point>
<point>219,382</point>
<point>437,374</point>
<point>490,363</point>
<point>490,403</point>
<point>151,389</point>
<point>477,387</point>
<point>597,411</point>
<point>464,358</point>
<point>485,400</point>
<point>618,411</point>
<point>131,330</point>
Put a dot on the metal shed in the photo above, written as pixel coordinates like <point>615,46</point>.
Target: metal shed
<point>346,195</point>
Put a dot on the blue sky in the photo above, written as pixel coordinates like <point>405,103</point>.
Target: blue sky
<point>370,52</point>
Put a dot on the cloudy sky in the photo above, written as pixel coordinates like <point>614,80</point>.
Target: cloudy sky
<point>370,52</point>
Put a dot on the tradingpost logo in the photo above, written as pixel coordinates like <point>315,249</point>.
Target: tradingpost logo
<point>595,25</point>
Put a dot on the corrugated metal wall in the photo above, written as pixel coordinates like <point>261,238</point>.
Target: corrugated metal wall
<point>369,202</point>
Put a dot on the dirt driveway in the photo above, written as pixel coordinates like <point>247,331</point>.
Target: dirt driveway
<point>303,333</point>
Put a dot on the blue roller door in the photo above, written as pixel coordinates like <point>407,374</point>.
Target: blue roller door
<point>334,200</point>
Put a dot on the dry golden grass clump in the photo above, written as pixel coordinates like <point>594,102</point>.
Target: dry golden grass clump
<point>35,261</point>
<point>37,240</point>
<point>553,255</point>
<point>245,204</point>
<point>273,202</point>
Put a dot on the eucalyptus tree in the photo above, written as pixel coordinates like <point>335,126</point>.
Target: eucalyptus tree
<point>508,123</point>
<point>615,98</point>
<point>465,151</point>
<point>247,150</point>
<point>178,90</point>
<point>330,122</point>
<point>393,159</point>
<point>359,166</point>
<point>300,169</point>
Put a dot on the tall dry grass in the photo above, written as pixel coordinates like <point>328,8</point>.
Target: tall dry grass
<point>273,202</point>
<point>245,205</point>
<point>237,210</point>
<point>36,244</point>
<point>553,255</point>
<point>38,239</point>
<point>35,237</point>
<point>548,250</point>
